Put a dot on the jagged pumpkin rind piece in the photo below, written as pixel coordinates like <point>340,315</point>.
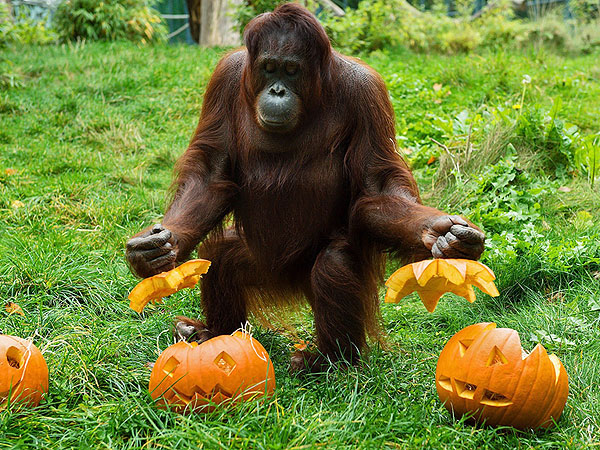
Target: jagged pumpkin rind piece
<point>155,288</point>
<point>432,278</point>
<point>440,268</point>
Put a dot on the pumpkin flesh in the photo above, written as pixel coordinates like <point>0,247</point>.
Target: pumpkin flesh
<point>432,278</point>
<point>155,288</point>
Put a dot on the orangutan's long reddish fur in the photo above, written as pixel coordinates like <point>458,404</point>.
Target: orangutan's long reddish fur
<point>313,211</point>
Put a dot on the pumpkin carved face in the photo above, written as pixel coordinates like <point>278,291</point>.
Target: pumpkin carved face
<point>23,372</point>
<point>483,370</point>
<point>195,377</point>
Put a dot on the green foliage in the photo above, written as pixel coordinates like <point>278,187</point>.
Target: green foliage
<point>555,144</point>
<point>379,24</point>
<point>505,197</point>
<point>22,30</point>
<point>108,20</point>
<point>247,10</point>
<point>546,137</point>
<point>544,264</point>
<point>369,27</point>
<point>587,10</point>
<point>587,156</point>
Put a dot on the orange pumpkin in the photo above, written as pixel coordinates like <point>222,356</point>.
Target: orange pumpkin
<point>23,372</point>
<point>195,377</point>
<point>153,289</point>
<point>483,370</point>
<point>434,277</point>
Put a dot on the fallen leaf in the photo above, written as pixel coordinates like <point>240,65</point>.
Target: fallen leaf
<point>557,296</point>
<point>10,172</point>
<point>564,189</point>
<point>13,308</point>
<point>17,204</point>
<point>437,87</point>
<point>301,346</point>
<point>437,101</point>
<point>431,160</point>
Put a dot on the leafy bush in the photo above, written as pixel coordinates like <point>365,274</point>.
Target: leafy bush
<point>368,28</point>
<point>22,31</point>
<point>499,29</point>
<point>247,10</point>
<point>377,24</point>
<point>506,197</point>
<point>530,260</point>
<point>108,20</point>
<point>549,31</point>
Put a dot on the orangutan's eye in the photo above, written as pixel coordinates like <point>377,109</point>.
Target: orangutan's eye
<point>270,67</point>
<point>291,68</point>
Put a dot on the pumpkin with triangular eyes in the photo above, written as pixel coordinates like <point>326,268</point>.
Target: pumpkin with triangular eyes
<point>484,371</point>
<point>23,372</point>
<point>225,369</point>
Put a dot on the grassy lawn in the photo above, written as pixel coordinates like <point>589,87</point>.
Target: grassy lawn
<point>92,133</point>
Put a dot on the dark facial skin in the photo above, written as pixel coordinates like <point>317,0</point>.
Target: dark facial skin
<point>278,106</point>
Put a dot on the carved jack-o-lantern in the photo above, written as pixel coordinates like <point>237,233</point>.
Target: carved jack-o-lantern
<point>191,376</point>
<point>483,370</point>
<point>23,372</point>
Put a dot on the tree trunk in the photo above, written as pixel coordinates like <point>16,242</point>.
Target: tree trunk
<point>217,24</point>
<point>195,12</point>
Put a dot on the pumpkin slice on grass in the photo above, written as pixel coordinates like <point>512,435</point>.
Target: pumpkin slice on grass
<point>434,277</point>
<point>154,289</point>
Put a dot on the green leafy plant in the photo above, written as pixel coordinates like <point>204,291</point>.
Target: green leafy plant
<point>378,24</point>
<point>506,197</point>
<point>23,30</point>
<point>249,9</point>
<point>587,156</point>
<point>108,20</point>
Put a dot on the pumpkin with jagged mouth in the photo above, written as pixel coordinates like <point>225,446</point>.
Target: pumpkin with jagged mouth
<point>225,369</point>
<point>483,371</point>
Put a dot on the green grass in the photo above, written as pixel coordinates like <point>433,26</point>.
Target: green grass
<point>93,132</point>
